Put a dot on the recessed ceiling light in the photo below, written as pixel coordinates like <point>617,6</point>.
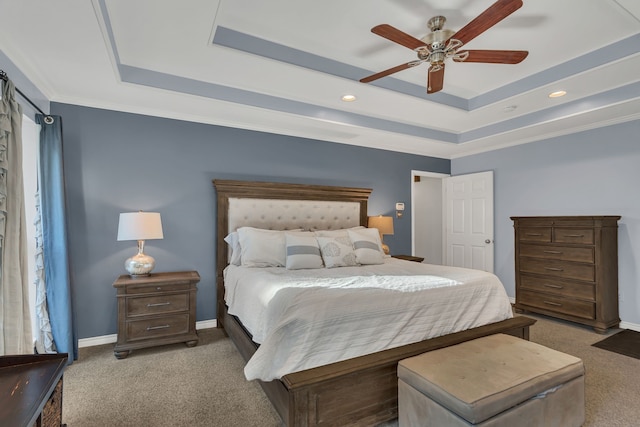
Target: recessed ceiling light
<point>557,94</point>
<point>348,98</point>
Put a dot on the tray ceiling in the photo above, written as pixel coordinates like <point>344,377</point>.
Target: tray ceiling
<point>282,67</point>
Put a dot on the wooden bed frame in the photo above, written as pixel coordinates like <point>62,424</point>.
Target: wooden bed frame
<point>361,391</point>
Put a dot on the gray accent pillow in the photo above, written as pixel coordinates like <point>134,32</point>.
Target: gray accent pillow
<point>302,251</point>
<point>367,245</point>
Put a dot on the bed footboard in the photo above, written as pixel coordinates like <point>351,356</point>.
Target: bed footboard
<point>362,391</point>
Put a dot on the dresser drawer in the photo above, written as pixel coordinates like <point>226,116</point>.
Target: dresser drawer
<point>535,234</point>
<point>561,269</point>
<point>582,236</point>
<point>143,306</point>
<point>571,307</point>
<point>558,287</point>
<point>563,253</point>
<point>157,327</point>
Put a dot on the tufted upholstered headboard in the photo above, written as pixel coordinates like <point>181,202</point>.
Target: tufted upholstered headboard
<point>281,206</point>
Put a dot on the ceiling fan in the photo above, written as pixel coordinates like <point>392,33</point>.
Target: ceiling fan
<point>440,44</point>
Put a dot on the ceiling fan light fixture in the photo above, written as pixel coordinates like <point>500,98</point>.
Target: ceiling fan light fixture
<point>557,94</point>
<point>348,98</point>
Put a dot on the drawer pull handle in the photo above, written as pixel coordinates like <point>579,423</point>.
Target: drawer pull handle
<point>574,235</point>
<point>553,286</point>
<point>553,269</point>
<point>553,252</point>
<point>534,234</point>
<point>158,304</point>
<point>556,304</point>
<point>153,328</point>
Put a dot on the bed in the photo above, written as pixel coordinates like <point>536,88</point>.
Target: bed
<point>359,390</point>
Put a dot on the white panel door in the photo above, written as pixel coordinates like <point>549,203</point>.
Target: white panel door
<point>468,221</point>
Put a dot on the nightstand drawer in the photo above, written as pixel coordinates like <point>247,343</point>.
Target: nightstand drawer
<point>562,269</point>
<point>564,253</point>
<point>147,288</point>
<point>582,236</point>
<point>157,327</point>
<point>535,234</point>
<point>143,306</point>
<point>582,309</point>
<point>558,287</point>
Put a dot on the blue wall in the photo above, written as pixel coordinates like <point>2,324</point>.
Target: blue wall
<point>119,162</point>
<point>596,172</point>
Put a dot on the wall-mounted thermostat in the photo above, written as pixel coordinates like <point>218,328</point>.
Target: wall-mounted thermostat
<point>399,209</point>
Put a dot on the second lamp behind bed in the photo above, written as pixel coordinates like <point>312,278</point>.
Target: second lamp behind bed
<point>384,224</point>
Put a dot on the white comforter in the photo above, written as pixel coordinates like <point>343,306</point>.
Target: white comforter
<point>307,318</point>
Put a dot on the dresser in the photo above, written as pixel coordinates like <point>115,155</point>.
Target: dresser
<point>155,310</point>
<point>567,267</point>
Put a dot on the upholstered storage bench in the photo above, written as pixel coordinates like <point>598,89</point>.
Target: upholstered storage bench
<point>498,380</point>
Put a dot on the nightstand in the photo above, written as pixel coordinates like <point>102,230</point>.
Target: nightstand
<point>155,310</point>
<point>409,258</point>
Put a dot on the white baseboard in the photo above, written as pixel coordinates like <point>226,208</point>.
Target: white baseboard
<point>629,325</point>
<point>109,339</point>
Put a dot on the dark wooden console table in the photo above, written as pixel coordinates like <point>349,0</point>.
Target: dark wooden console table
<point>31,390</point>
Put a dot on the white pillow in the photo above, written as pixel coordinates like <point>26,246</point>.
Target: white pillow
<point>233,241</point>
<point>367,246</point>
<point>337,251</point>
<point>302,251</point>
<point>261,248</point>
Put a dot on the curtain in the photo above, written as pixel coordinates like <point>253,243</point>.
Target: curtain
<point>54,236</point>
<point>15,319</point>
<point>44,339</point>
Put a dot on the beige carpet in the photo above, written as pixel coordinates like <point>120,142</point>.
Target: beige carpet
<point>612,380</point>
<point>204,386</point>
<point>171,385</point>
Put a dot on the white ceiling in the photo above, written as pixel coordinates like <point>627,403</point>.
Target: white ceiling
<point>281,66</point>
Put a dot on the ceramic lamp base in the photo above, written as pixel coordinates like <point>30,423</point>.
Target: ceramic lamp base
<point>385,248</point>
<point>139,265</point>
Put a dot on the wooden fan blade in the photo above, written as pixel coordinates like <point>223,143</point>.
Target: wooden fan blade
<point>494,56</point>
<point>397,36</point>
<point>435,80</point>
<point>385,73</point>
<point>487,19</point>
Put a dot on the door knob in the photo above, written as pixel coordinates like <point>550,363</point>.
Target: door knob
<point>487,241</point>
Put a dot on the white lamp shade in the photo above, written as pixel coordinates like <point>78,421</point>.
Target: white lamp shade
<point>384,224</point>
<point>140,226</point>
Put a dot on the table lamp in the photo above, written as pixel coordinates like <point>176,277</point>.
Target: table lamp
<point>140,226</point>
<point>384,224</point>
